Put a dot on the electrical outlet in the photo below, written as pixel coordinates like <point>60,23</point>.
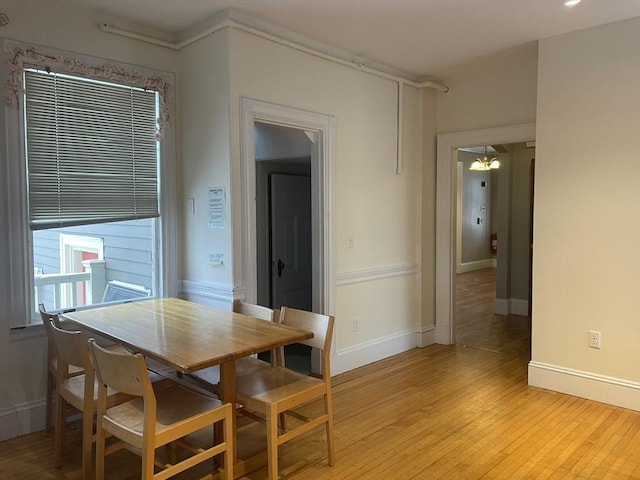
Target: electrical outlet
<point>595,338</point>
<point>356,324</point>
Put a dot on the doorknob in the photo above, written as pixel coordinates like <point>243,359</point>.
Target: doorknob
<point>280,267</point>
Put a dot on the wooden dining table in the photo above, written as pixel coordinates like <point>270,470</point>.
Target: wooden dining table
<point>187,336</point>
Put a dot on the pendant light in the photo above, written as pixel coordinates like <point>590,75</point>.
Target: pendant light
<point>485,163</point>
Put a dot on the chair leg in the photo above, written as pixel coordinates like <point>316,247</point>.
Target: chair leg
<point>60,428</point>
<point>272,442</point>
<point>49,403</point>
<point>228,438</point>
<point>100,450</point>
<point>87,442</point>
<point>331,451</point>
<point>148,457</point>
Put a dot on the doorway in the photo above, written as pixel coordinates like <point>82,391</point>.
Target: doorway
<point>283,217</point>
<point>446,214</point>
<point>494,247</point>
<point>319,131</point>
<point>283,226</point>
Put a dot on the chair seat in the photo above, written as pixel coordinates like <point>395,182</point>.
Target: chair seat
<point>275,384</point>
<point>210,377</point>
<point>116,347</point>
<point>75,386</point>
<point>75,370</point>
<point>174,404</point>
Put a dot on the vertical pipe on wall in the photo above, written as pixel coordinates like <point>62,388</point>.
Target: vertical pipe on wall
<point>399,130</point>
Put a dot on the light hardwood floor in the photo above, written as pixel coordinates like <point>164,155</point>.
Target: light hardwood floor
<point>442,412</point>
<point>476,324</point>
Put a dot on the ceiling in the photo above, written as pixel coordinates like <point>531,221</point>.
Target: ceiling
<point>420,37</point>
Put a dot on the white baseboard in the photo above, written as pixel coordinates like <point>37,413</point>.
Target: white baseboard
<point>426,336</point>
<point>477,265</point>
<point>600,388</point>
<point>22,419</point>
<point>513,306</point>
<point>501,306</point>
<point>370,352</point>
<point>519,306</point>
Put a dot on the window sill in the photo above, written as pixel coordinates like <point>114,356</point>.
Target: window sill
<point>26,333</point>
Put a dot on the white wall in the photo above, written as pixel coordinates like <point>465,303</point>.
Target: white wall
<point>428,217</point>
<point>476,238</point>
<point>513,228</point>
<point>374,205</point>
<point>205,163</point>
<point>520,231</point>
<point>274,142</point>
<point>491,91</point>
<point>587,206</point>
<point>39,23</point>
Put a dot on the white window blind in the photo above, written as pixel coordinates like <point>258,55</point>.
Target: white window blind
<point>92,154</point>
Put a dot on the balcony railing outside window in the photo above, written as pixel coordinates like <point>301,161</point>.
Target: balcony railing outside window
<point>93,280</point>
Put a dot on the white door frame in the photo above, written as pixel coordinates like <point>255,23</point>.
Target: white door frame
<point>322,128</point>
<point>446,195</point>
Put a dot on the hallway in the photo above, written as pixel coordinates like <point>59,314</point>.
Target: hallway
<point>476,324</point>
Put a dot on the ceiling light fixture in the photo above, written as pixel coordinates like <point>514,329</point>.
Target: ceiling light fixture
<point>485,163</point>
<point>571,3</point>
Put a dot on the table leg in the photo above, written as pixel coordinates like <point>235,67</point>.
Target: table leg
<point>228,394</point>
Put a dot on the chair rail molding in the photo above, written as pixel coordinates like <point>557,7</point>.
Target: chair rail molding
<point>375,273</point>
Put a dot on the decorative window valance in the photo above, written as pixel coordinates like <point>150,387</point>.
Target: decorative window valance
<point>20,57</point>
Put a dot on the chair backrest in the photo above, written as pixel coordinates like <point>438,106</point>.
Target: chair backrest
<point>125,372</point>
<point>70,346</point>
<point>320,325</point>
<point>263,313</point>
<point>47,319</point>
<point>252,310</point>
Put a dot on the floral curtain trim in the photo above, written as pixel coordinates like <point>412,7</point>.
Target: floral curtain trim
<point>19,56</point>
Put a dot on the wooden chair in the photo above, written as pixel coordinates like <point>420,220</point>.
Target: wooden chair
<point>52,363</point>
<point>209,378</point>
<point>153,419</point>
<point>76,390</point>
<point>273,391</point>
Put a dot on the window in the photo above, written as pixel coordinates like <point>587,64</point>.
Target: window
<point>92,188</point>
<point>91,159</point>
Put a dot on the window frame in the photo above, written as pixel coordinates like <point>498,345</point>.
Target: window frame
<point>16,262</point>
